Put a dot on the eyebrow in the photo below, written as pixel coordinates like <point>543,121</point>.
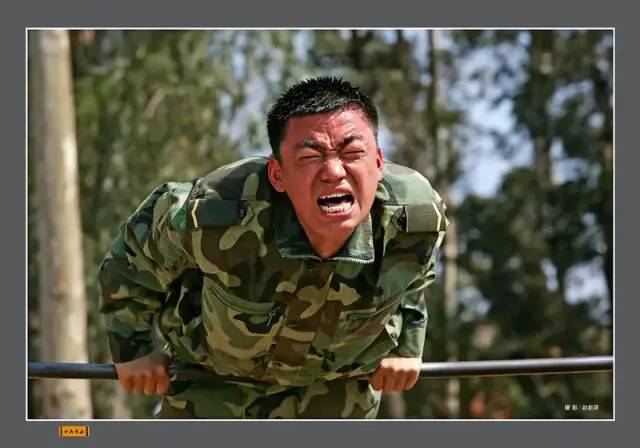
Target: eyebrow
<point>313,144</point>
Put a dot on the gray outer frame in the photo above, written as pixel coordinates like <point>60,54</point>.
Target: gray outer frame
<point>16,16</point>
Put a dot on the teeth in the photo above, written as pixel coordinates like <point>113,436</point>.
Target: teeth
<point>334,195</point>
<point>335,208</point>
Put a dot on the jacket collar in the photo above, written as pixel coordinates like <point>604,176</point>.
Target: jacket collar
<point>293,241</point>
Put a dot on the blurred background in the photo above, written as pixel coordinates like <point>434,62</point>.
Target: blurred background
<point>513,127</point>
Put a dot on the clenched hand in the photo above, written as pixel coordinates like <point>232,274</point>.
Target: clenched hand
<point>147,374</point>
<point>396,374</point>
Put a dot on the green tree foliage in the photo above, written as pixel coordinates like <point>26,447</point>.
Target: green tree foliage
<point>548,218</point>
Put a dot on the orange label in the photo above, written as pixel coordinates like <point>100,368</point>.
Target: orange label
<point>73,431</point>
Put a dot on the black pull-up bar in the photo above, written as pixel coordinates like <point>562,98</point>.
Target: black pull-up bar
<point>539,366</point>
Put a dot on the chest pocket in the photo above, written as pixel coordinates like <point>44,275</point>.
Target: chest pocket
<point>239,333</point>
<point>361,322</point>
<point>362,332</point>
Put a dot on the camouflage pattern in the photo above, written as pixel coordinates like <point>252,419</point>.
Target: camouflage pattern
<point>342,398</point>
<point>224,269</point>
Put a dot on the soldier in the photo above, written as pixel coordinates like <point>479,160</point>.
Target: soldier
<point>298,278</point>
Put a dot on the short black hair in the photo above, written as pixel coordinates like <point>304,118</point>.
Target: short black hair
<point>316,96</point>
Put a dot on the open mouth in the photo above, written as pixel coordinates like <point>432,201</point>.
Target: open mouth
<point>335,203</point>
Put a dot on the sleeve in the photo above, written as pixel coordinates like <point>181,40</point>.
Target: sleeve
<point>413,308</point>
<point>148,254</point>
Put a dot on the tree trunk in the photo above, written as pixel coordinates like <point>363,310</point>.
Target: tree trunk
<point>542,88</point>
<point>62,298</point>
<point>442,151</point>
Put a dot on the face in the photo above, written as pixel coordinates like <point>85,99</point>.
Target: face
<point>330,167</point>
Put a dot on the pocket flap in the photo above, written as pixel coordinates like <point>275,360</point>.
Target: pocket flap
<point>413,218</point>
<point>216,212</point>
<point>239,304</point>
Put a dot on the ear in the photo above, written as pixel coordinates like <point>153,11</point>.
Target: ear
<point>274,171</point>
<point>379,163</point>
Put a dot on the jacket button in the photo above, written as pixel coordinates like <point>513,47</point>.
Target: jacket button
<point>293,323</point>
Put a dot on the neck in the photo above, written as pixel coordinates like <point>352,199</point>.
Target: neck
<point>327,245</point>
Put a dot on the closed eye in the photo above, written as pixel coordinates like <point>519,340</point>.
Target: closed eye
<point>310,158</point>
<point>309,155</point>
<point>352,155</point>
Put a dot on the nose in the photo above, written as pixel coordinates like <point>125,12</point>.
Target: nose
<point>333,170</point>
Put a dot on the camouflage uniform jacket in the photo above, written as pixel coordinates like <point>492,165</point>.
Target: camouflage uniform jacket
<point>225,268</point>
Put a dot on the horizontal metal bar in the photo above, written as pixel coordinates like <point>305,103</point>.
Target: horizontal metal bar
<point>534,366</point>
<point>539,366</point>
